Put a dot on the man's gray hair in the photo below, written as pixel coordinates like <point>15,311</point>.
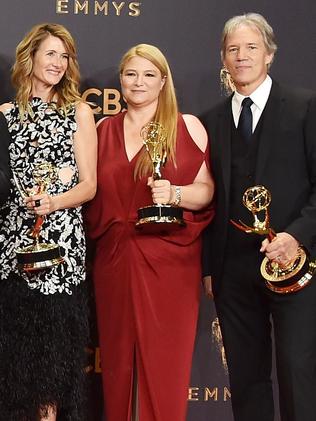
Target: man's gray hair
<point>253,20</point>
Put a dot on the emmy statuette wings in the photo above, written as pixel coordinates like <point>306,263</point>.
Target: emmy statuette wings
<point>279,278</point>
<point>38,255</point>
<point>158,217</point>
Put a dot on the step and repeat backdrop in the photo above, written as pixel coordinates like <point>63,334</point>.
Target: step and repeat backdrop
<point>188,32</point>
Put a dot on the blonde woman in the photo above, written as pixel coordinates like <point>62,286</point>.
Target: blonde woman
<point>147,286</point>
<point>43,315</point>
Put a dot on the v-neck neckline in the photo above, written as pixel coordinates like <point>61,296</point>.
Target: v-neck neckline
<point>129,160</point>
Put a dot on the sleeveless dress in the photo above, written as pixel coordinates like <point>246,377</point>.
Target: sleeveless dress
<point>147,286</point>
<point>43,316</point>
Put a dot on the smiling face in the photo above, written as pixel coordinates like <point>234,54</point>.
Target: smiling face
<point>50,62</point>
<point>141,82</point>
<point>246,58</point>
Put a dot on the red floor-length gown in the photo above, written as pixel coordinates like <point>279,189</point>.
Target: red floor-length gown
<point>147,286</point>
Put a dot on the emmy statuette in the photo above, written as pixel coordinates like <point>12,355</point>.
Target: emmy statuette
<point>38,255</point>
<point>157,217</point>
<point>279,278</point>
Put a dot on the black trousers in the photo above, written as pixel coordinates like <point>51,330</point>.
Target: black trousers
<point>245,309</point>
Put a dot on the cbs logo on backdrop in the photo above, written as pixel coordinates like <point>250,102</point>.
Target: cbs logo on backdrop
<point>107,101</point>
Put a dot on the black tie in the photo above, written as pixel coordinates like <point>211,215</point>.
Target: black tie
<point>245,119</point>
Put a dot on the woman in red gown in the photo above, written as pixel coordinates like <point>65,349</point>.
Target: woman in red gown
<point>148,285</point>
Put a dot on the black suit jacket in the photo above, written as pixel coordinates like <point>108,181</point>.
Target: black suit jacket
<point>285,164</point>
<point>4,159</point>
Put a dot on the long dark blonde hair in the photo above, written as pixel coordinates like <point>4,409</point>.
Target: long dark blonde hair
<point>67,90</point>
<point>167,109</point>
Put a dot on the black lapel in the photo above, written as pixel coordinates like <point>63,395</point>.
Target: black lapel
<point>270,129</point>
<point>224,142</point>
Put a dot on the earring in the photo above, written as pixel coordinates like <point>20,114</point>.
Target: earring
<point>227,82</point>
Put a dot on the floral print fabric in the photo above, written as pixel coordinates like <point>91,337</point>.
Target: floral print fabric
<point>45,137</point>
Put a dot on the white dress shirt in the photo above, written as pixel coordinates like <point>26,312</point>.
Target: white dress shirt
<point>259,97</point>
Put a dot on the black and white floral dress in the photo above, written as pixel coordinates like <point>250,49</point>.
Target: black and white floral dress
<point>43,316</point>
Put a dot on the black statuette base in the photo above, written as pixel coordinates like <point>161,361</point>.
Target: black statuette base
<point>158,218</point>
<point>39,256</point>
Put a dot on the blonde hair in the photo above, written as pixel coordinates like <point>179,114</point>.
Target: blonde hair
<point>67,90</point>
<point>167,109</point>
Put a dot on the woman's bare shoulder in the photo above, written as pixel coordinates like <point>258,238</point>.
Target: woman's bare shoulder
<point>5,107</point>
<point>196,130</point>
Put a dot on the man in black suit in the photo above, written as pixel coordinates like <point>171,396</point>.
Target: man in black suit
<point>272,144</point>
<point>4,160</point>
